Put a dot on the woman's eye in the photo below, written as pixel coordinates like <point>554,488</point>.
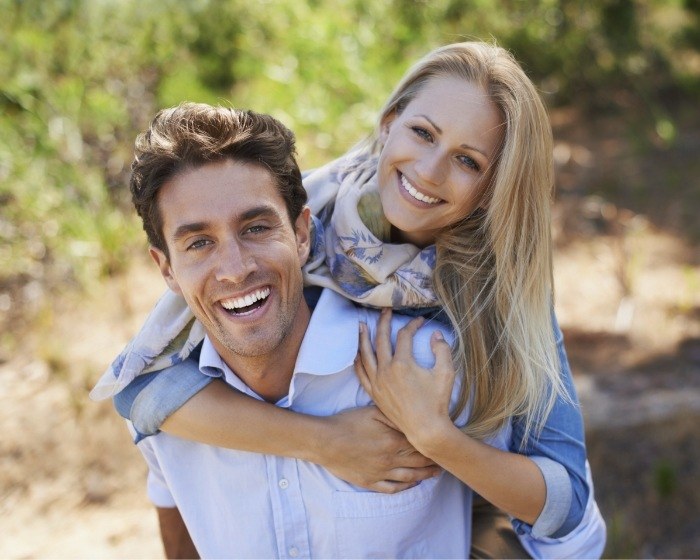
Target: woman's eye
<point>422,133</point>
<point>469,162</point>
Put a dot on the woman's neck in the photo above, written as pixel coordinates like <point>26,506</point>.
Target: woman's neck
<point>420,239</point>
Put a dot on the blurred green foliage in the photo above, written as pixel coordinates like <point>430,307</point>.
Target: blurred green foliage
<point>79,79</point>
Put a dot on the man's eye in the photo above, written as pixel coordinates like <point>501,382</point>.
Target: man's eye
<point>257,229</point>
<point>197,244</point>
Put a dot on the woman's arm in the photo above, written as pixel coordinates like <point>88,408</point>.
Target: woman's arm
<point>560,452</point>
<point>357,445</point>
<point>417,400</point>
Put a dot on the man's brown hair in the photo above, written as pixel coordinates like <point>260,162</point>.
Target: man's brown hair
<point>194,134</point>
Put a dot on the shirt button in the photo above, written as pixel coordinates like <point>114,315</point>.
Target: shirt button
<point>294,552</point>
<point>284,484</point>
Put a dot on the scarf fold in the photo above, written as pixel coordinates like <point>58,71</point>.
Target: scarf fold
<point>351,254</point>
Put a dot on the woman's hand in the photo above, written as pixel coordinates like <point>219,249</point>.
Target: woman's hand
<point>415,399</point>
<point>365,450</point>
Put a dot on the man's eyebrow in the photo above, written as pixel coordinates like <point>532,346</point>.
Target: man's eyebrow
<point>261,211</point>
<point>185,229</point>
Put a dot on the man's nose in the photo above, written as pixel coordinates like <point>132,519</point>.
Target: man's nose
<point>236,262</point>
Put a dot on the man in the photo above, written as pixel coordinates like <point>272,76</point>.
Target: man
<point>230,233</point>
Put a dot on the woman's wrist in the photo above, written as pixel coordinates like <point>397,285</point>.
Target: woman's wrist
<point>316,438</point>
<point>432,438</point>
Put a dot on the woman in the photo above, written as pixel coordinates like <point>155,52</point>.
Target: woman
<point>464,176</point>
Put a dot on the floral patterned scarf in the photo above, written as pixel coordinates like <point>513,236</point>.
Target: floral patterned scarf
<point>351,254</point>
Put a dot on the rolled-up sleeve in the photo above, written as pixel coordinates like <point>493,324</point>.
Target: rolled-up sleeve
<point>151,398</point>
<point>560,453</point>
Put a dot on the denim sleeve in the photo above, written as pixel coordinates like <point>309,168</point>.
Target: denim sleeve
<point>560,453</point>
<point>150,398</point>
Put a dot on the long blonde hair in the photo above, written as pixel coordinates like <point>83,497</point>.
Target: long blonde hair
<point>493,275</point>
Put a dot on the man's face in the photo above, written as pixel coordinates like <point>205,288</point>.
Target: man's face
<point>235,257</point>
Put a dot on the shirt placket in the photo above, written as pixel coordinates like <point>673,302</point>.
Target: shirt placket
<point>289,514</point>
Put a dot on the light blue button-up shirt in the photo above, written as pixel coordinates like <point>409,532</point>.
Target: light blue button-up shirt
<point>240,504</point>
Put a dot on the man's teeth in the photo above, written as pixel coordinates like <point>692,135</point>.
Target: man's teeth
<point>415,194</point>
<point>247,300</point>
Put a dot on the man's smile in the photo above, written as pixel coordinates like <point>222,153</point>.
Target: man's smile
<point>245,304</point>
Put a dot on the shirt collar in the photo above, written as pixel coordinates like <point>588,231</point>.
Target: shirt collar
<point>210,363</point>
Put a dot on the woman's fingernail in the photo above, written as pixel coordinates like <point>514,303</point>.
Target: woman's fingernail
<point>438,335</point>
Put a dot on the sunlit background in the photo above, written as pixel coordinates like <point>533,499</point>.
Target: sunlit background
<point>79,79</point>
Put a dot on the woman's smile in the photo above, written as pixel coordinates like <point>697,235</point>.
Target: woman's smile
<point>416,194</point>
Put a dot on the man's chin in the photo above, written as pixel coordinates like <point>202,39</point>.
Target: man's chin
<point>246,346</point>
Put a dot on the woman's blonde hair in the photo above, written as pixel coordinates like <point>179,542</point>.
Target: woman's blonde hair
<point>494,268</point>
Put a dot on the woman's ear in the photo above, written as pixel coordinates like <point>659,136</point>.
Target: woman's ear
<point>386,126</point>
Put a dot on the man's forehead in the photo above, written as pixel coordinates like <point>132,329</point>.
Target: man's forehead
<point>222,190</point>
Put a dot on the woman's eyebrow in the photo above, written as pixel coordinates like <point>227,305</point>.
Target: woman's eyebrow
<point>465,146</point>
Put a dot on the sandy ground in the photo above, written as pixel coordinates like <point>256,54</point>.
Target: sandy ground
<point>72,484</point>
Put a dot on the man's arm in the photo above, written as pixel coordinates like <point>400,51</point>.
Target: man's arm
<point>176,538</point>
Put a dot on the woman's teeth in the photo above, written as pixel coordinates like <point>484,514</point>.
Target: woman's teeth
<point>245,301</point>
<point>410,189</point>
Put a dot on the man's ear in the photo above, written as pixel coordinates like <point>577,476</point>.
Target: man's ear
<point>161,259</point>
<point>302,230</point>
<point>386,126</point>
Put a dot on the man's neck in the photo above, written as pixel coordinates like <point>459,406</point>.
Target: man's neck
<point>271,374</point>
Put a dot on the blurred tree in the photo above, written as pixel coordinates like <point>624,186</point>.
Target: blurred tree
<point>79,78</point>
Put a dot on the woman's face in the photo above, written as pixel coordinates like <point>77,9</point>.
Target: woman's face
<point>436,156</point>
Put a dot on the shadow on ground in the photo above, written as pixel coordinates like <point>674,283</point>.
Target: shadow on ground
<point>643,443</point>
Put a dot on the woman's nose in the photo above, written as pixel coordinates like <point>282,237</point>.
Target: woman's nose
<point>431,168</point>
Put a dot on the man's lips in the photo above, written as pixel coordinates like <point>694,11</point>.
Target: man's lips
<point>247,302</point>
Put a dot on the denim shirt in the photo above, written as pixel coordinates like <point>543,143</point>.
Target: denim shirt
<point>559,451</point>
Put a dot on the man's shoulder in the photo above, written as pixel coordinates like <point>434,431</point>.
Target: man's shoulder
<point>335,312</point>
<point>400,319</point>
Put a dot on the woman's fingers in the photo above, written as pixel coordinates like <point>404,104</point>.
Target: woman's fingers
<point>365,361</point>
<point>391,487</point>
<point>413,475</point>
<point>444,368</point>
<point>403,479</point>
<point>382,339</point>
<point>404,338</point>
<point>442,350</point>
<point>361,373</point>
<point>369,358</point>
